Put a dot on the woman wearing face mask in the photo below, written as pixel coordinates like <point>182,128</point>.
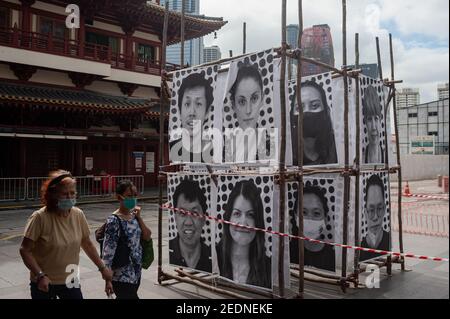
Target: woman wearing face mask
<point>52,241</point>
<point>372,117</point>
<point>319,142</point>
<point>315,212</point>
<point>242,253</point>
<point>125,221</point>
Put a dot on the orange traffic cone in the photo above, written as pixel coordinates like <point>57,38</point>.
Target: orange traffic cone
<point>407,191</point>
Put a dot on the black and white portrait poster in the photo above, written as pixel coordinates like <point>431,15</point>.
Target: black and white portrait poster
<point>192,115</point>
<point>245,256</point>
<point>373,122</point>
<point>322,207</point>
<point>323,125</point>
<point>190,237</point>
<point>250,114</point>
<point>375,215</point>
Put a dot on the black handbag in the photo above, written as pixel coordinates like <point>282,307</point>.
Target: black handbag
<point>122,254</point>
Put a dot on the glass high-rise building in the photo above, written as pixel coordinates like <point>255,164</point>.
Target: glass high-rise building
<point>292,31</point>
<point>317,43</point>
<point>193,49</point>
<point>211,54</point>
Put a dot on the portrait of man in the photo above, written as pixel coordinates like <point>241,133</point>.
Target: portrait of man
<point>188,249</point>
<point>375,211</point>
<point>195,97</point>
<point>372,112</point>
<point>318,132</point>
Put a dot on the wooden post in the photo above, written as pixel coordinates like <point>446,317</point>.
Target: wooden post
<point>282,166</point>
<point>300,145</point>
<point>400,182</point>
<point>183,15</point>
<point>358,163</point>
<point>163,102</point>
<point>244,47</point>
<point>346,135</point>
<point>386,154</point>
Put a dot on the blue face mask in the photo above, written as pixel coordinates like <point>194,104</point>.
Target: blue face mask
<point>130,203</point>
<point>66,204</point>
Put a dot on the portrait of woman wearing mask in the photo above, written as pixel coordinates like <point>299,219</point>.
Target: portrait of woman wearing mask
<point>241,252</point>
<point>319,141</point>
<point>315,212</point>
<point>372,116</point>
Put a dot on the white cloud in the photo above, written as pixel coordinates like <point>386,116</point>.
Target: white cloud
<point>417,64</point>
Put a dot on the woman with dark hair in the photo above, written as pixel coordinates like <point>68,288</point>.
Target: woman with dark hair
<point>372,117</point>
<point>247,96</point>
<point>318,132</point>
<point>125,224</point>
<point>242,253</point>
<point>52,241</point>
<point>315,213</point>
<point>247,99</point>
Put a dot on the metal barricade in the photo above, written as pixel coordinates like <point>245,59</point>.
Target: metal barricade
<point>20,189</point>
<point>424,218</point>
<point>93,186</point>
<point>34,185</point>
<point>13,189</point>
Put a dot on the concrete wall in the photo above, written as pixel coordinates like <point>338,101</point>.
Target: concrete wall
<point>423,167</point>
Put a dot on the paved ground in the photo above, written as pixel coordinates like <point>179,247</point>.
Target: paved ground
<point>426,280</point>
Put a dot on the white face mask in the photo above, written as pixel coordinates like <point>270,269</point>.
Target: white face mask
<point>314,228</point>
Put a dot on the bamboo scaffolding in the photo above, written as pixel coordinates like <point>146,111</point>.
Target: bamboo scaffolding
<point>282,176</point>
<point>301,244</point>
<point>357,163</point>
<point>282,166</point>
<point>386,159</point>
<point>163,102</point>
<point>399,171</point>
<point>346,146</point>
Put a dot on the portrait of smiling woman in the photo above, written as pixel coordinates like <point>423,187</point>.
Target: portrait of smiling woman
<point>242,253</point>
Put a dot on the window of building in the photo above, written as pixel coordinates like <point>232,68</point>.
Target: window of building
<point>52,27</point>
<point>145,52</point>
<point>433,114</point>
<point>104,40</point>
<point>412,115</point>
<point>433,134</point>
<point>5,18</point>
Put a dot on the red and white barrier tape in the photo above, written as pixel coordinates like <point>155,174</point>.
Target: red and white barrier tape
<point>316,241</point>
<point>425,196</point>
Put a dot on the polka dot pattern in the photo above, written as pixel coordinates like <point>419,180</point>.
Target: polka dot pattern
<point>205,184</point>
<point>265,186</point>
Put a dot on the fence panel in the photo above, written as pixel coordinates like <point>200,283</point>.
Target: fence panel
<point>34,185</point>
<point>13,189</point>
